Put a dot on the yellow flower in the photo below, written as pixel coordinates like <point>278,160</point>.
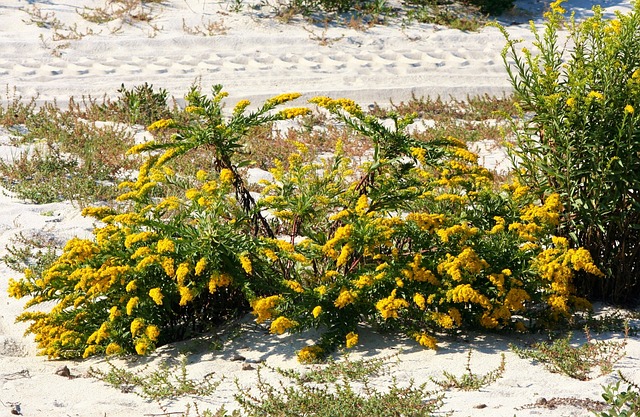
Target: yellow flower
<point>499,226</point>
<point>193,109</point>
<point>182,272</point>
<point>226,176</point>
<point>571,102</point>
<point>113,349</point>
<point>166,246</point>
<point>595,95</point>
<point>140,147</point>
<point>443,320</point>
<point>281,325</point>
<point>515,299</point>
<point>240,106</point>
<point>161,124</point>
<point>113,313</point>
<point>141,347</point>
<point>557,8</point>
<point>131,304</point>
<point>18,289</point>
<point>202,175</point>
<point>293,285</point>
<point>192,194</point>
<point>271,255</point>
<point>352,340</point>
<point>487,321</point>
<point>628,109</point>
<point>282,98</point>
<point>141,252</point>
<point>200,266</point>
<point>293,112</point>
<point>245,262</point>
<point>152,333</point>
<point>322,290</point>
<point>310,354</point>
<point>169,267</point>
<point>131,286</point>
<point>156,295</point>
<point>186,295</point>
<point>218,280</point>
<point>345,298</point>
<point>389,306</point>
<point>344,254</point>
<point>317,310</point>
<point>426,340</point>
<point>464,293</point>
<point>90,350</point>
<point>363,281</point>
<point>136,325</point>
<point>426,221</point>
<point>456,316</point>
<point>362,205</point>
<point>264,307</point>
<point>419,300</point>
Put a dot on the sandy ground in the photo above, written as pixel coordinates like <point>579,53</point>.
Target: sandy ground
<point>254,57</point>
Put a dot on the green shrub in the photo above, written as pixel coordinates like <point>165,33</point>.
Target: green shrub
<point>416,239</point>
<point>584,139</point>
<point>622,403</point>
<point>141,104</point>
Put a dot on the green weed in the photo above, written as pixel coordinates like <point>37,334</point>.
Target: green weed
<point>470,381</point>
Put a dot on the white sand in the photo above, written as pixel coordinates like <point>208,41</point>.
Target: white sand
<point>255,58</point>
<point>252,57</point>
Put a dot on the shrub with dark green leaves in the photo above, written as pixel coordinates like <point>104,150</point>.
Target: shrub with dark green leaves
<point>583,141</point>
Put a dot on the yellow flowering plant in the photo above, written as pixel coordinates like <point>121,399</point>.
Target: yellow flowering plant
<point>417,239</point>
<point>171,258</point>
<point>582,141</point>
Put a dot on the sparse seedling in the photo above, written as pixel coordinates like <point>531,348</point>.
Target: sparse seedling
<point>210,28</point>
<point>166,382</point>
<point>470,381</point>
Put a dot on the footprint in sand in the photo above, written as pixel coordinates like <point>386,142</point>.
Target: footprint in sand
<point>24,70</point>
<point>103,69</point>
<point>129,69</point>
<point>289,58</point>
<point>77,69</point>
<point>50,70</point>
<point>177,68</point>
<point>157,69</point>
<point>208,67</point>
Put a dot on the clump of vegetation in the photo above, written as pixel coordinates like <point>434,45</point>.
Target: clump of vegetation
<point>165,382</point>
<point>576,361</point>
<point>416,238</point>
<point>346,391</point>
<point>335,388</point>
<point>582,141</point>
<point>470,381</point>
<point>621,402</point>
